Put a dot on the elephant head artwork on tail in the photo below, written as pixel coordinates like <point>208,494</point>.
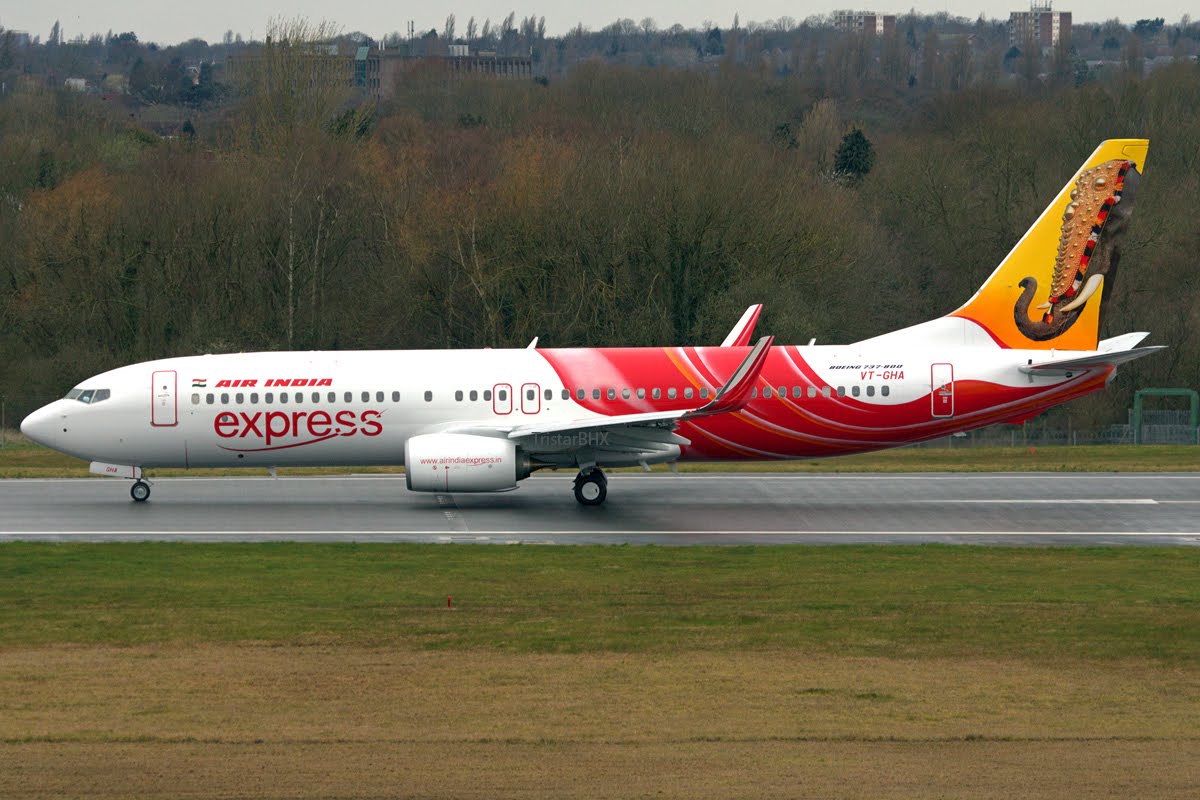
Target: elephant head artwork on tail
<point>1048,292</point>
<point>1089,249</point>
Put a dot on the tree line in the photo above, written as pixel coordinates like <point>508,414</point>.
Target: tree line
<point>614,206</point>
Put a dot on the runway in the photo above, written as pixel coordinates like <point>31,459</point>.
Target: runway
<point>1010,508</point>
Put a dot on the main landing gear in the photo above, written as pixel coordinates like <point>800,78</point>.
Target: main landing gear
<point>591,487</point>
<point>140,491</point>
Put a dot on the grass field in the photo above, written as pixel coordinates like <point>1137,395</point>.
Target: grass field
<point>303,670</point>
<point>24,459</point>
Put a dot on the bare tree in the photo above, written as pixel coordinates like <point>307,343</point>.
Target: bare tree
<point>448,29</point>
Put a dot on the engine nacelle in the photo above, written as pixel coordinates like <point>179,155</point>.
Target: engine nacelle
<point>462,462</point>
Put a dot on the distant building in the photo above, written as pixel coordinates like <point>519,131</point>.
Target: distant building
<point>75,84</point>
<point>865,23</point>
<point>380,72</point>
<point>1040,24</point>
<point>18,38</point>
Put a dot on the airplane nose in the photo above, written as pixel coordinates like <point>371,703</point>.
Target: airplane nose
<point>40,426</point>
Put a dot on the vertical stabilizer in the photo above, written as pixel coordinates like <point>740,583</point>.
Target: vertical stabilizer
<point>1048,291</point>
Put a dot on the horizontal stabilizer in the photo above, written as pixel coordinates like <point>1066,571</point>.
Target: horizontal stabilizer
<point>1094,361</point>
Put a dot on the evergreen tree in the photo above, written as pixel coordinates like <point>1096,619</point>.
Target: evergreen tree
<point>855,156</point>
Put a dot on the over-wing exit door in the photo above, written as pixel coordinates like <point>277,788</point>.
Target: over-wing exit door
<point>941,382</point>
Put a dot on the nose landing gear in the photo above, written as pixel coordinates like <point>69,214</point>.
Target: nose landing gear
<point>140,491</point>
<point>591,487</point>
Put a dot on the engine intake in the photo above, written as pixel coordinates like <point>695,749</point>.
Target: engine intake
<point>463,462</point>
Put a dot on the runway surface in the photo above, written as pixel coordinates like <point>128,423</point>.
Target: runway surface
<point>1025,508</point>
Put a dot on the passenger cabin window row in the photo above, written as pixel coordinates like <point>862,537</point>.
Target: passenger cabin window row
<point>474,395</point>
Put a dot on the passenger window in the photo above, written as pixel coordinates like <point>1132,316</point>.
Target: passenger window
<point>870,391</point>
<point>487,394</point>
<point>595,394</point>
<point>379,397</point>
<point>885,391</point>
<point>530,394</point>
<point>429,396</point>
<point>195,399</point>
<point>841,391</point>
<point>854,390</point>
<point>240,398</point>
<point>754,393</point>
<point>474,395</point>
<point>566,394</point>
<point>269,397</point>
<point>782,392</point>
<point>641,393</point>
<point>316,397</point>
<point>549,394</point>
<point>458,395</point>
<point>283,397</point>
<point>349,397</point>
<point>767,392</point>
<point>655,393</point>
<point>366,397</point>
<point>254,398</point>
<point>825,391</point>
<point>612,394</point>
<point>331,397</point>
<point>812,391</point>
<point>703,392</point>
<point>395,397</point>
<point>502,395</point>
<point>625,394</point>
<point>797,393</point>
<point>224,398</point>
<point>210,399</point>
<point>687,393</point>
<point>580,394</point>
<point>671,393</point>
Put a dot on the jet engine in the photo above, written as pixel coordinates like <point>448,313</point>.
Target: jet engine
<point>463,462</point>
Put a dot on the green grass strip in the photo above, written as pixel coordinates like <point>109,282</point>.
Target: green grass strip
<point>897,601</point>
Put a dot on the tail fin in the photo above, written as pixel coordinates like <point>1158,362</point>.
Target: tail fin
<point>1046,292</point>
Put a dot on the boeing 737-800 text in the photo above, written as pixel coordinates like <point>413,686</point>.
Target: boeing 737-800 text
<point>483,420</point>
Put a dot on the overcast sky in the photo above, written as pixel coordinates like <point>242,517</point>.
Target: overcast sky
<point>170,23</point>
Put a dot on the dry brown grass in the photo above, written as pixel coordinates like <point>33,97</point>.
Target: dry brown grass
<point>263,721</point>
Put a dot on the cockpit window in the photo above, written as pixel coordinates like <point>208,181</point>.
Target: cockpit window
<point>89,396</point>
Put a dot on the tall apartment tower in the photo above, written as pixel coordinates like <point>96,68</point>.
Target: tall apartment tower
<point>1039,24</point>
<point>866,23</point>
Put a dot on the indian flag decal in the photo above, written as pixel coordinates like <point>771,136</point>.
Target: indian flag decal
<point>199,383</point>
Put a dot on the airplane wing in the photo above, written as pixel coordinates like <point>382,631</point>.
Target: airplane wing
<point>730,397</point>
<point>647,432</point>
<point>744,329</point>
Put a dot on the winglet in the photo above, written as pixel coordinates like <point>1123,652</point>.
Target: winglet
<point>744,329</point>
<point>736,392</point>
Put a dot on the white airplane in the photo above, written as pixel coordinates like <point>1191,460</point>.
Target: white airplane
<point>483,420</point>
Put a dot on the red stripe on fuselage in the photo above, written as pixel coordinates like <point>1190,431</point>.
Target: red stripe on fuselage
<point>785,427</point>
